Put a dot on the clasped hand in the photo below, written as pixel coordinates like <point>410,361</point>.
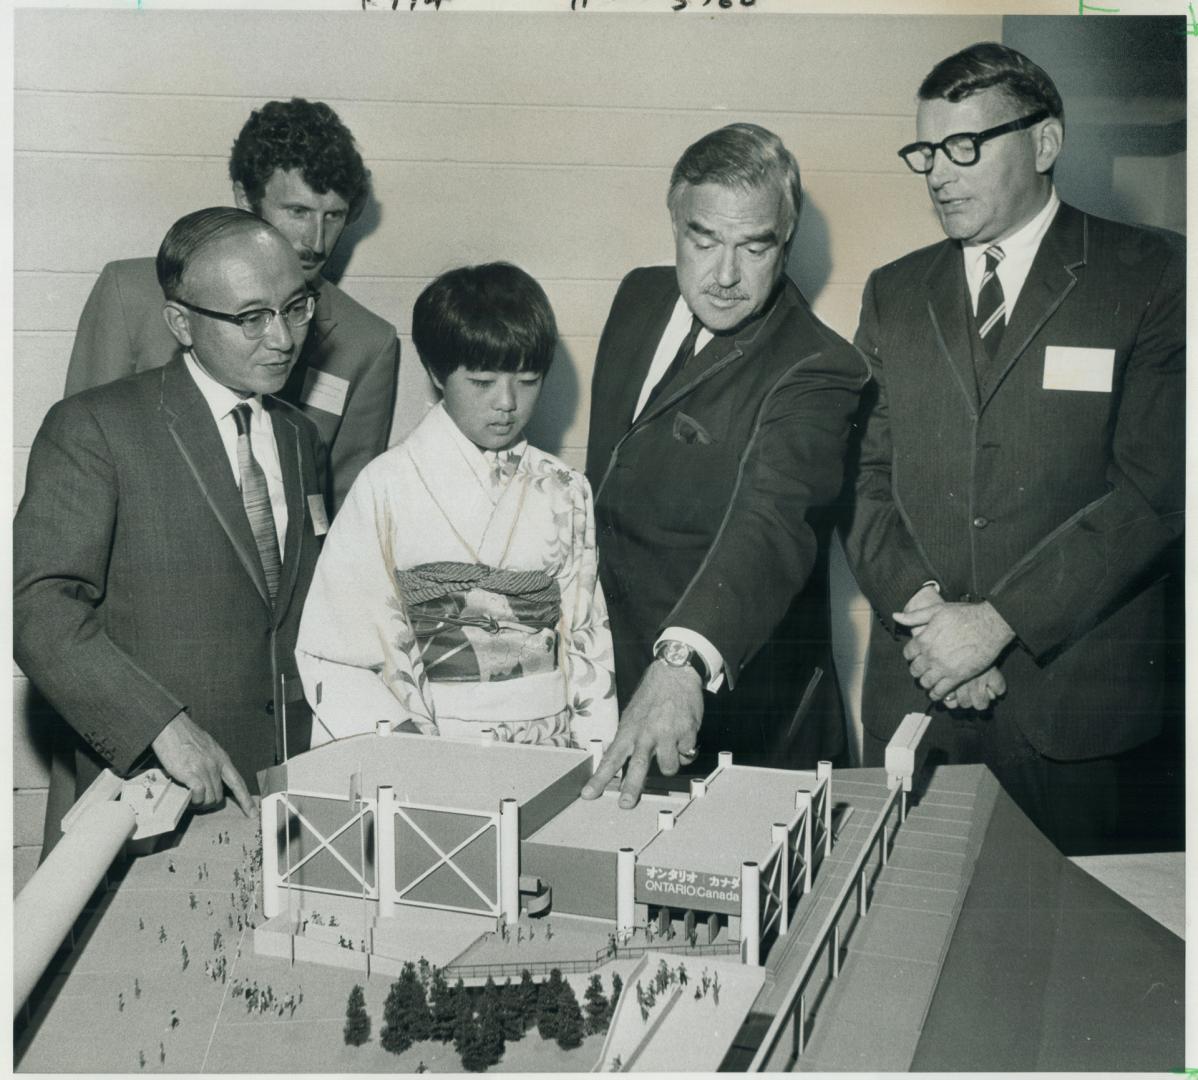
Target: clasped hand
<point>951,645</point>
<point>662,718</point>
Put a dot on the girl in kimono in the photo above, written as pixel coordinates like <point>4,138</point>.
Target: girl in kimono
<point>458,588</point>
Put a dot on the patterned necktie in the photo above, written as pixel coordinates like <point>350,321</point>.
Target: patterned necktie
<point>681,358</point>
<point>256,497</point>
<point>992,305</point>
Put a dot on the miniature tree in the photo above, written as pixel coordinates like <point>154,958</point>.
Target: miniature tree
<point>488,1039</point>
<point>393,1035</point>
<point>529,993</point>
<point>357,1021</point>
<point>442,1007</point>
<point>597,1008</point>
<point>511,1011</point>
<point>570,1027</point>
<point>463,1015</point>
<point>547,1005</point>
<point>415,1014</point>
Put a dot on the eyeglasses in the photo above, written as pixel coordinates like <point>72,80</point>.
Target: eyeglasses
<point>965,147</point>
<point>257,322</point>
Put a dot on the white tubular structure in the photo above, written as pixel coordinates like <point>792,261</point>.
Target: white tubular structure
<point>272,883</point>
<point>509,860</point>
<point>723,759</point>
<point>900,751</point>
<point>53,898</point>
<point>384,826</point>
<point>750,914</point>
<point>803,803</point>
<point>823,771</point>
<point>665,820</point>
<point>596,748</point>
<point>780,834</point>
<point>625,891</point>
<point>698,788</point>
<point>382,727</point>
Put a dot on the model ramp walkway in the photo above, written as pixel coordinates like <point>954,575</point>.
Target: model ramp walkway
<point>679,1032</point>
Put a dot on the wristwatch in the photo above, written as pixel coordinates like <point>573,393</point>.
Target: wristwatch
<point>678,654</point>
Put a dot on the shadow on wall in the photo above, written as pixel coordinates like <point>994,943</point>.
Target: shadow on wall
<point>357,231</point>
<point>558,404</point>
<point>810,262</point>
<point>1123,82</point>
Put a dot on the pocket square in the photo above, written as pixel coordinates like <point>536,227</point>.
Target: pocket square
<point>688,430</point>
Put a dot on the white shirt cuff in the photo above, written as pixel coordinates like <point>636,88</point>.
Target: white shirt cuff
<point>709,653</point>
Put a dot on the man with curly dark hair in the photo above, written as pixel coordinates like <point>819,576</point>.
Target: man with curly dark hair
<point>295,165</point>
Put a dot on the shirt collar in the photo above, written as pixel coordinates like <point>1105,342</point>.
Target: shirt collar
<point>1024,242</point>
<point>221,400</point>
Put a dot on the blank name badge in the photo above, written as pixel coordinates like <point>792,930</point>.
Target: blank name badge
<point>1069,368</point>
<point>325,392</point>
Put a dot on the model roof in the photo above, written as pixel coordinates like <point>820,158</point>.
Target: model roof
<point>600,825</point>
<point>731,823</point>
<point>463,774</point>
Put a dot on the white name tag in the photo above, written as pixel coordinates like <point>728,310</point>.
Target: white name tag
<point>1069,368</point>
<point>325,392</point>
<point>320,520</point>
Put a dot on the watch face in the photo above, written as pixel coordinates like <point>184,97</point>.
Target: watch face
<point>674,653</point>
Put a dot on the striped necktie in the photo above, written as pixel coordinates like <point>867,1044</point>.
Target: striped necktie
<point>256,497</point>
<point>992,305</point>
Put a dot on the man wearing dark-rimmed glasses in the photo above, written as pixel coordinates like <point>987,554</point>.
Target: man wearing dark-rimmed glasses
<point>168,532</point>
<point>1020,492</point>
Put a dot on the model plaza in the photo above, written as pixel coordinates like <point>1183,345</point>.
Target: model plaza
<point>409,825</point>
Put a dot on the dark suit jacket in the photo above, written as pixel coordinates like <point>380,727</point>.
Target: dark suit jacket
<point>703,505</point>
<point>138,590</point>
<point>1059,506</point>
<point>122,331</point>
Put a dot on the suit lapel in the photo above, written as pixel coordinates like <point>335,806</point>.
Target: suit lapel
<point>192,427</point>
<point>287,440</point>
<point>948,309</point>
<point>1049,281</point>
<point>716,355</point>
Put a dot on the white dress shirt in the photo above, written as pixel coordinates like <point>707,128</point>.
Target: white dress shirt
<point>667,348</point>
<point>1019,249</point>
<point>221,400</point>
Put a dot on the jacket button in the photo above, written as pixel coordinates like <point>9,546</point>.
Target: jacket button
<point>980,522</point>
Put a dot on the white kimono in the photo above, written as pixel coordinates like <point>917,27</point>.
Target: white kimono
<point>474,657</point>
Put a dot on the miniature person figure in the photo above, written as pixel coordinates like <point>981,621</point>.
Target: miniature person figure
<point>458,587</point>
<point>137,989</point>
<point>174,1019</point>
<point>161,1054</point>
<point>120,1002</point>
<point>682,974</point>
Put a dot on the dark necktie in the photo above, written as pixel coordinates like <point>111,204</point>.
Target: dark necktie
<point>256,497</point>
<point>681,358</point>
<point>992,305</point>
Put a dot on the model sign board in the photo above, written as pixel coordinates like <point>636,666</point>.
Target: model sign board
<point>674,887</point>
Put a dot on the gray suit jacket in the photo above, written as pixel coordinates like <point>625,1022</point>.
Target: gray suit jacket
<point>138,590</point>
<point>1059,505</point>
<point>122,331</point>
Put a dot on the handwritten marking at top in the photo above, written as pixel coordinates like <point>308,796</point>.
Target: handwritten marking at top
<point>1191,30</point>
<point>1083,7</point>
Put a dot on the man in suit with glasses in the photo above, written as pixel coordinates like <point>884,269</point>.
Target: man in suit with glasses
<point>1020,493</point>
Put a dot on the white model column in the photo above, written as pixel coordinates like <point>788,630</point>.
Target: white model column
<point>698,788</point>
<point>272,885</point>
<point>803,803</point>
<point>823,771</point>
<point>509,860</point>
<point>625,891</point>
<point>750,914</point>
<point>780,835</point>
<point>665,820</point>
<point>53,898</point>
<point>384,830</point>
<point>596,748</point>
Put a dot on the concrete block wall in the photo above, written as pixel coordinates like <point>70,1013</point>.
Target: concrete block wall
<point>537,138</point>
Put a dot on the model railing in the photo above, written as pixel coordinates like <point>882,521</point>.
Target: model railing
<point>900,771</point>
